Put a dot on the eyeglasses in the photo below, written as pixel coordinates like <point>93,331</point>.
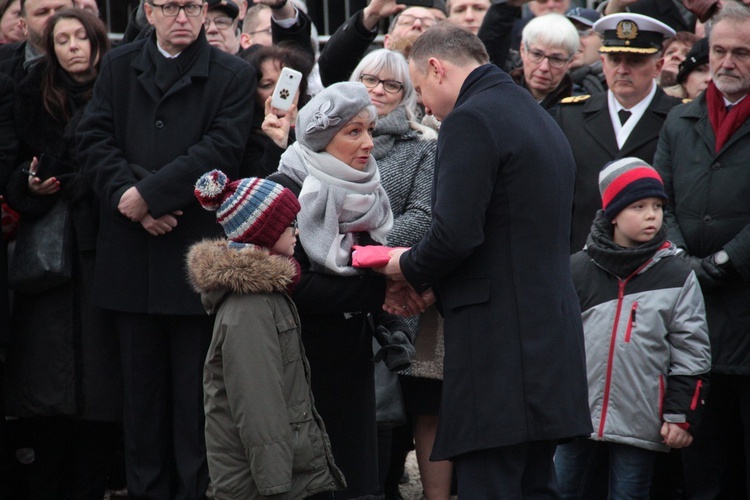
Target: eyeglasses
<point>293,225</point>
<point>267,31</point>
<point>585,33</point>
<point>390,86</point>
<point>173,9</point>
<point>537,56</point>
<point>408,20</point>
<point>221,23</point>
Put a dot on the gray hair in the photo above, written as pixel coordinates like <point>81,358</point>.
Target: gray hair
<point>393,66</point>
<point>553,30</point>
<point>731,11</point>
<point>450,42</point>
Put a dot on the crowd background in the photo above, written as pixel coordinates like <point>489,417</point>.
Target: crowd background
<point>76,356</point>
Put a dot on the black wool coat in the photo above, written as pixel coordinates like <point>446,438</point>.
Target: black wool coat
<point>587,125</point>
<point>497,257</point>
<point>62,356</point>
<point>132,134</point>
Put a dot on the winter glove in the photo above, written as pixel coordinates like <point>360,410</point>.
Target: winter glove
<point>396,350</point>
<point>714,270</point>
<point>696,264</point>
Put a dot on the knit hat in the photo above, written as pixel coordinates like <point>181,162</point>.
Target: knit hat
<point>252,210</point>
<point>626,181</point>
<point>328,112</point>
<point>697,55</point>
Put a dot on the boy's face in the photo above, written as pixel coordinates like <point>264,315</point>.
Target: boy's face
<point>638,222</point>
<point>287,241</point>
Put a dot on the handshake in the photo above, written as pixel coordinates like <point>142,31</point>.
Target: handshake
<point>400,298</point>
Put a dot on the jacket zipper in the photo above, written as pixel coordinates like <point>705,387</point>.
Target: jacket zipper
<point>612,343</point>
<point>613,340</point>
<point>631,323</point>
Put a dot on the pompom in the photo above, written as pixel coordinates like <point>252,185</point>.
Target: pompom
<point>210,189</point>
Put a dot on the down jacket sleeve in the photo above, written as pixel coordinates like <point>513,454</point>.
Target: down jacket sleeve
<point>688,381</point>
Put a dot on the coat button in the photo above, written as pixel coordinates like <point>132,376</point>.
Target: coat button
<point>716,166</point>
<point>304,414</point>
<point>707,219</point>
<point>159,124</point>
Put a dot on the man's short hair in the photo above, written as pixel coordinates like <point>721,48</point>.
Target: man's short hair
<point>251,17</point>
<point>554,30</point>
<point>731,11</point>
<point>449,42</point>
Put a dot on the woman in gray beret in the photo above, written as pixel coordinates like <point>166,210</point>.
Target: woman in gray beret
<point>335,176</point>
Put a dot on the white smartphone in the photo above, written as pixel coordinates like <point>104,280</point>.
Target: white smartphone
<point>286,89</point>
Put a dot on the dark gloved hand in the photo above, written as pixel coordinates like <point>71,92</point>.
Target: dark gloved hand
<point>396,350</point>
<point>696,264</point>
<point>715,271</point>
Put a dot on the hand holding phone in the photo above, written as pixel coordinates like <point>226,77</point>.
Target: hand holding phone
<point>286,89</point>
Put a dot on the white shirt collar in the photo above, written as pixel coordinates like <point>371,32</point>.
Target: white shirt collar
<point>165,53</point>
<point>622,132</point>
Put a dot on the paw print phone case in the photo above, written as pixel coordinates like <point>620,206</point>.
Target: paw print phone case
<point>286,89</point>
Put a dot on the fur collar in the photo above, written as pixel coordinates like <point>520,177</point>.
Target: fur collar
<point>214,267</point>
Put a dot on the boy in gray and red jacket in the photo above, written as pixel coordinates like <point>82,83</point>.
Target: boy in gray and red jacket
<point>646,338</point>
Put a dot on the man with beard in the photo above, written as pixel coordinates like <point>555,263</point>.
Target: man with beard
<point>703,157</point>
<point>17,58</point>
<point>624,121</point>
<point>351,41</point>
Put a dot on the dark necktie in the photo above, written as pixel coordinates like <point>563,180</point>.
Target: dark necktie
<point>729,108</point>
<point>624,114</point>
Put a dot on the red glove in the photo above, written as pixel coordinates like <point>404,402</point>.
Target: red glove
<point>370,255</point>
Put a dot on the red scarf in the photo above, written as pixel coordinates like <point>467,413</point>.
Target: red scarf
<point>725,124</point>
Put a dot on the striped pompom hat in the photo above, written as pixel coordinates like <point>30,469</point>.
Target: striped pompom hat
<point>626,181</point>
<point>251,210</point>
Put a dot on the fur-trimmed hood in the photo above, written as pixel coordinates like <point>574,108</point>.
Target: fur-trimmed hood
<point>215,270</point>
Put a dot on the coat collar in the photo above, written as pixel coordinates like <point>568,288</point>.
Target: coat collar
<point>145,68</point>
<point>597,122</point>
<point>697,112</point>
<point>482,78</point>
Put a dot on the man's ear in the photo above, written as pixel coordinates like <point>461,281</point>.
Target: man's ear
<point>387,41</point>
<point>245,40</point>
<point>436,67</point>
<point>148,9</point>
<point>24,27</point>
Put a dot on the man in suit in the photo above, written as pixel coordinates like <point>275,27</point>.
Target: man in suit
<point>624,121</point>
<point>496,256</point>
<point>703,156</point>
<point>149,132</point>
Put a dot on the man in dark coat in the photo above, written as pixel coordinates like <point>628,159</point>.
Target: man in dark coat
<point>703,157</point>
<point>166,109</point>
<point>496,256</point>
<point>593,124</point>
<point>17,58</point>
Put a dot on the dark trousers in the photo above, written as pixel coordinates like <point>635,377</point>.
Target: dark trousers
<point>165,448</point>
<point>716,464</point>
<point>520,471</point>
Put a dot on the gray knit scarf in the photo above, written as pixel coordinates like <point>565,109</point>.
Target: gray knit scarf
<point>389,128</point>
<point>337,201</point>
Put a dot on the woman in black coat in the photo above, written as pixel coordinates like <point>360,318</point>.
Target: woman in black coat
<point>336,178</point>
<point>62,373</point>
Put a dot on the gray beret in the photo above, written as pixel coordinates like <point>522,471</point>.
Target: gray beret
<point>328,112</point>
